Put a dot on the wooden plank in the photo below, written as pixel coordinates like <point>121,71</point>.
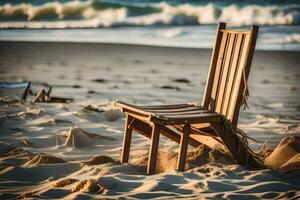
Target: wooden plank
<point>202,130</point>
<point>218,71</point>
<point>212,142</point>
<point>153,149</point>
<point>213,63</point>
<point>171,106</point>
<point>232,73</point>
<point>235,31</point>
<point>137,115</point>
<point>129,107</point>
<point>224,74</point>
<point>26,91</point>
<point>238,79</point>
<point>185,113</point>
<point>188,116</point>
<point>247,66</point>
<point>183,148</point>
<point>191,119</point>
<point>126,140</point>
<point>174,109</point>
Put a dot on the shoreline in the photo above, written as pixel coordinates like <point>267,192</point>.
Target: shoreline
<point>136,45</point>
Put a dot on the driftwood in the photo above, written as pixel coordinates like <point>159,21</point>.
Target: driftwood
<point>43,96</point>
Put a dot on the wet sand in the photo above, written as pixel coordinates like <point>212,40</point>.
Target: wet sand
<point>68,151</point>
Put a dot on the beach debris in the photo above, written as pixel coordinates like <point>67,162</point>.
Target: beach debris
<point>170,87</point>
<point>27,143</point>
<point>99,80</point>
<point>76,86</point>
<point>181,80</point>
<point>293,88</point>
<point>266,81</point>
<point>43,159</point>
<point>63,182</point>
<point>112,114</point>
<point>11,89</point>
<point>89,186</point>
<point>9,100</point>
<point>286,156</point>
<point>98,160</point>
<point>44,96</point>
<point>78,138</point>
<point>92,108</point>
<point>92,92</point>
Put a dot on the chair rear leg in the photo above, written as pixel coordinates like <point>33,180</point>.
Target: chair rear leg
<point>126,140</point>
<point>184,141</point>
<point>153,149</point>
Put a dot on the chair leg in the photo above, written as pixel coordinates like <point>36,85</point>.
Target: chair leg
<point>126,140</point>
<point>153,149</point>
<point>184,141</point>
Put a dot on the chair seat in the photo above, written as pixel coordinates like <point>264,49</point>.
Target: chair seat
<point>174,114</point>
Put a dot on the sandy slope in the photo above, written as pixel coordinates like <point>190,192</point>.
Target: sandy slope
<point>69,151</point>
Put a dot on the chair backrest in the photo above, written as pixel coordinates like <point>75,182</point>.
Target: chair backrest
<point>229,70</point>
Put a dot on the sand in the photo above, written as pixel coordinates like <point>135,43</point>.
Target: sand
<point>72,150</point>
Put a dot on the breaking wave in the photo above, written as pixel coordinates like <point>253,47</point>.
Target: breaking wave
<point>92,14</point>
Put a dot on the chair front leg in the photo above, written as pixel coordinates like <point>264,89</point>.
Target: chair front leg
<point>126,140</point>
<point>153,149</point>
<point>184,141</point>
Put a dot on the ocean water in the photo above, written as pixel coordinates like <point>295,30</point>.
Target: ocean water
<point>165,23</point>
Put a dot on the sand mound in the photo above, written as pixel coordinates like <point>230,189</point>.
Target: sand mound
<point>167,160</point>
<point>63,182</point>
<point>98,160</point>
<point>78,138</point>
<point>286,156</point>
<point>43,159</point>
<point>90,186</point>
<point>204,155</point>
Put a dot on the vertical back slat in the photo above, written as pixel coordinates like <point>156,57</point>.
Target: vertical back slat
<point>232,73</point>
<point>238,79</point>
<point>247,65</point>
<point>224,73</point>
<point>213,63</point>
<point>218,69</point>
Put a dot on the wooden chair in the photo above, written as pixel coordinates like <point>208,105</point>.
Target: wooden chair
<point>226,89</point>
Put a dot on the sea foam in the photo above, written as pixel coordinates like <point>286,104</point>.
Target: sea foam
<point>92,14</point>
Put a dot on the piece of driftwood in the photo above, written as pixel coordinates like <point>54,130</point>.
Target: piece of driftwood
<point>214,123</point>
<point>45,97</point>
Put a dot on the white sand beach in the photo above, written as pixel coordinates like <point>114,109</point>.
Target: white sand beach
<point>72,150</point>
